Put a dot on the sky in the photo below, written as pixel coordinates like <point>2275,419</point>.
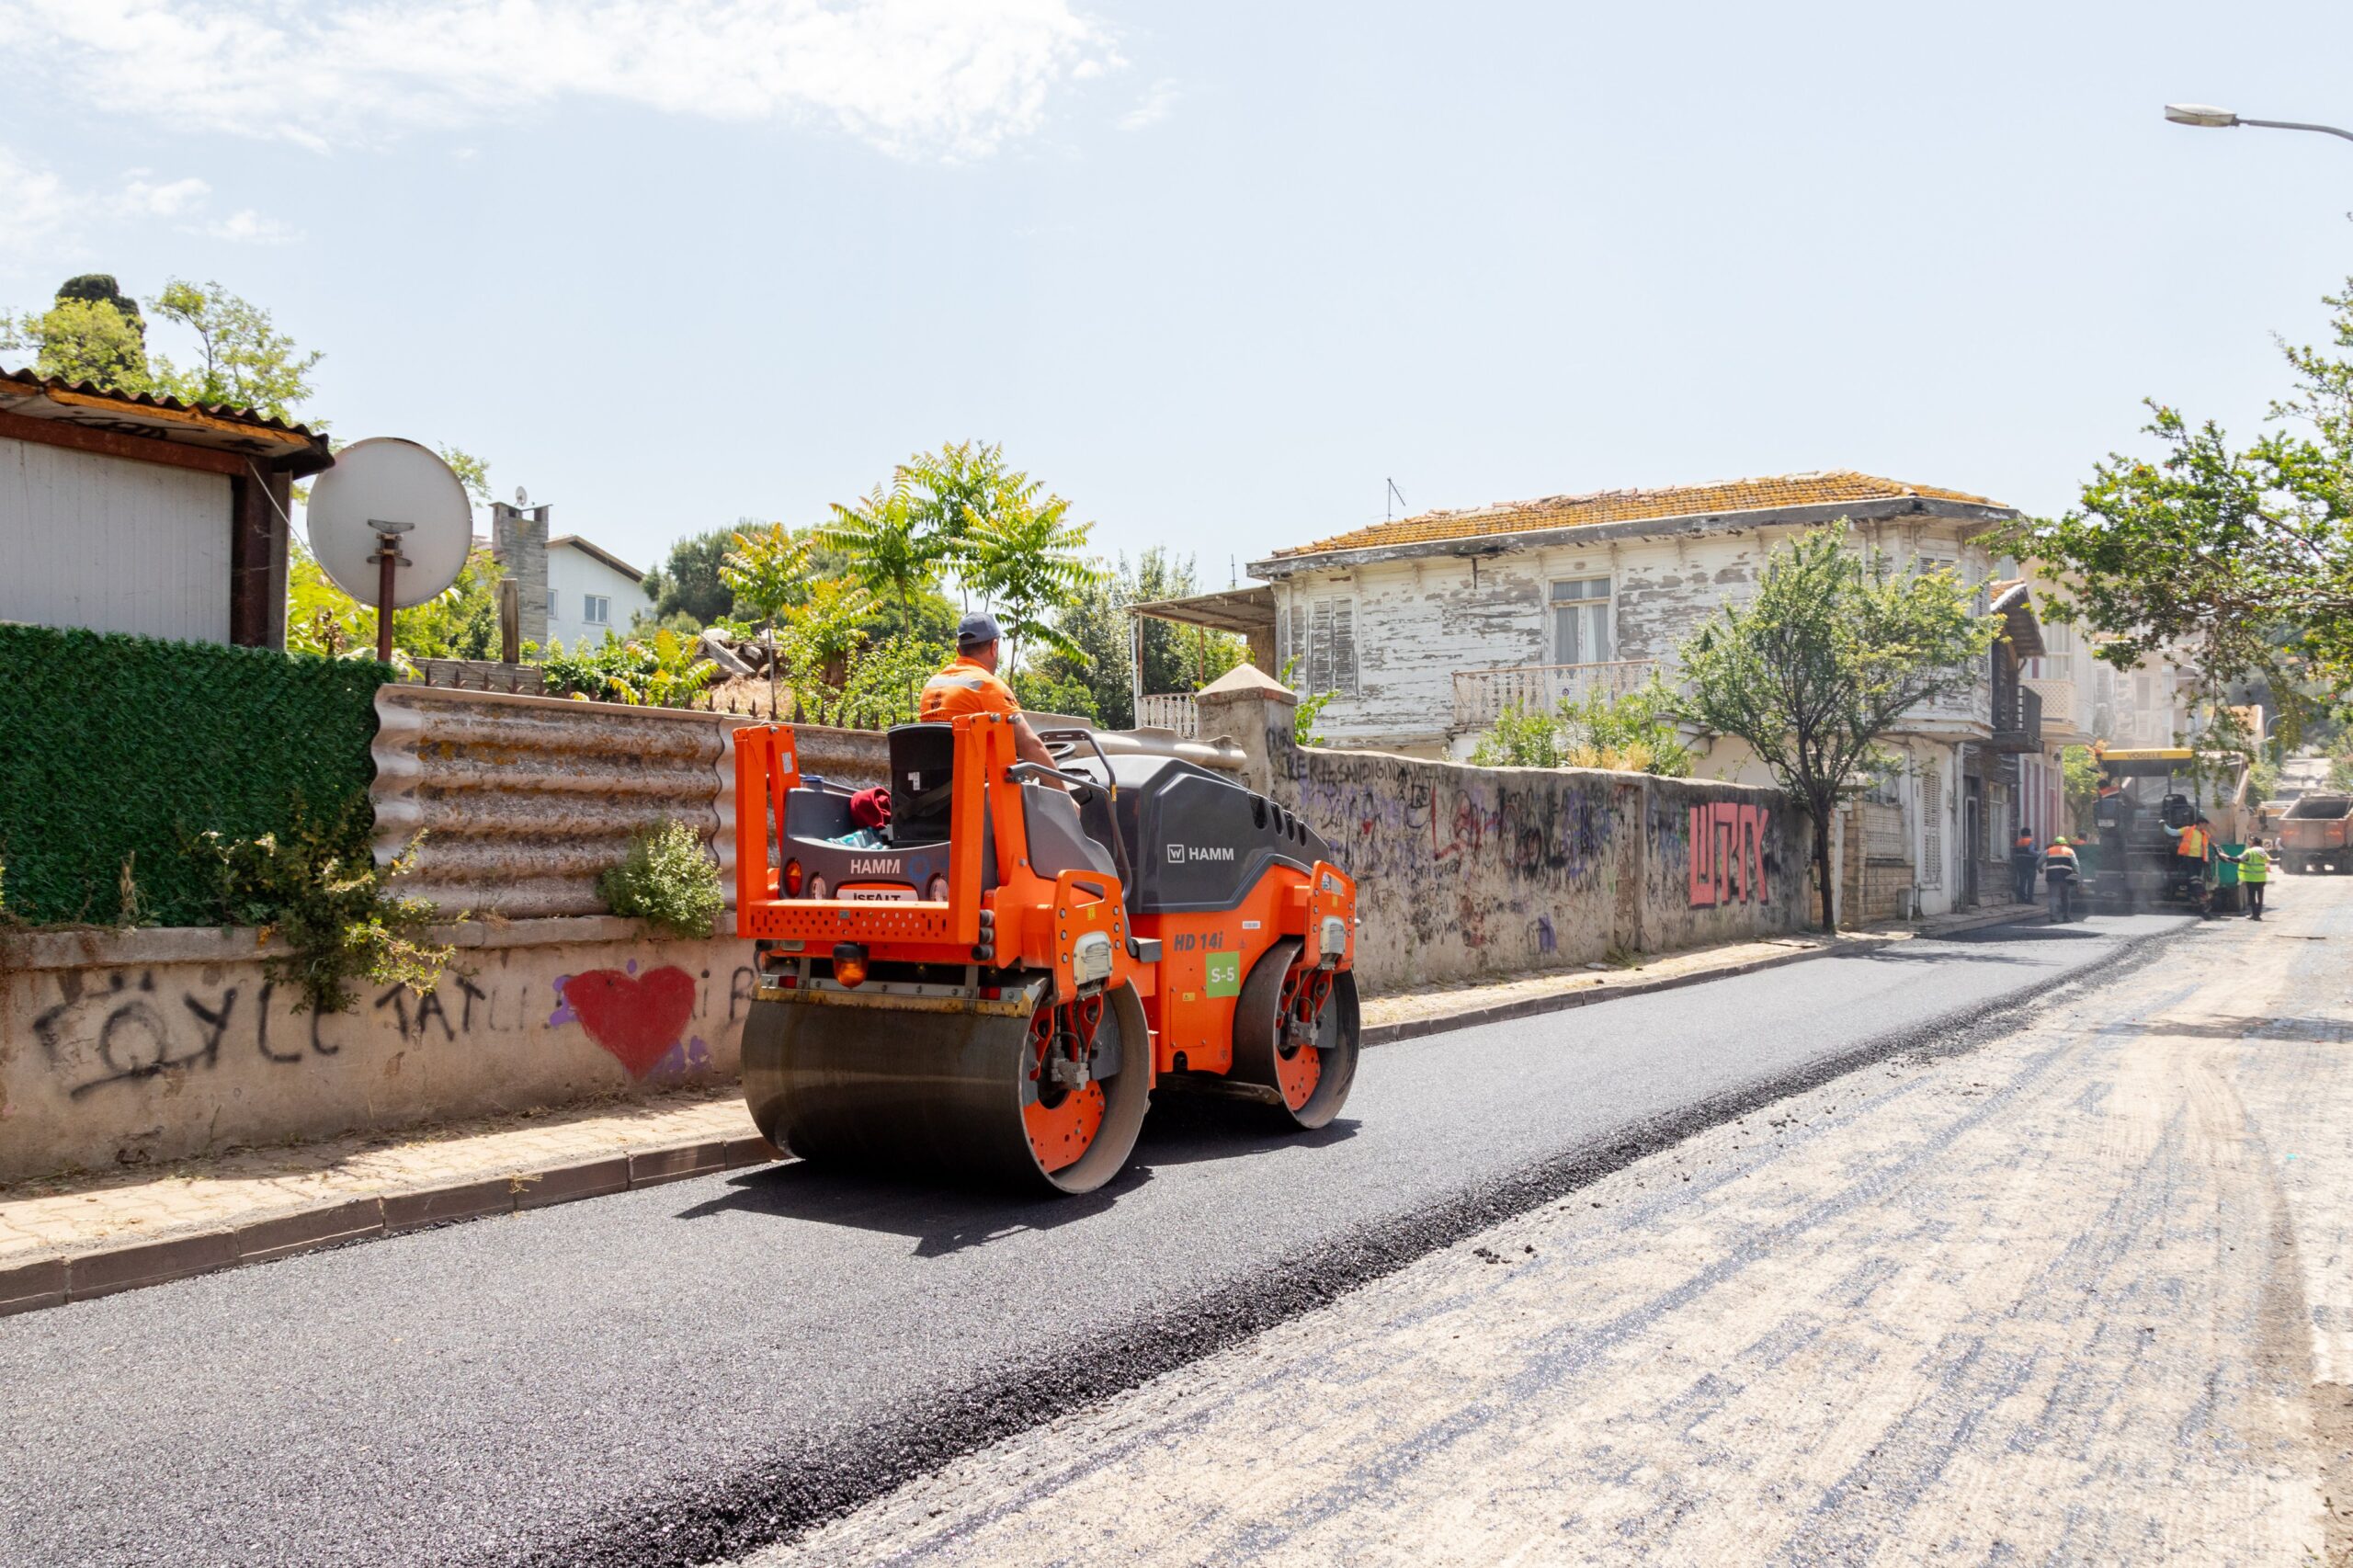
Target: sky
<point>1220,273</point>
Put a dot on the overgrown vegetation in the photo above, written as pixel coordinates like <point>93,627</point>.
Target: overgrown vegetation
<point>316,885</point>
<point>1310,707</point>
<point>1632,732</point>
<point>655,672</point>
<point>668,879</point>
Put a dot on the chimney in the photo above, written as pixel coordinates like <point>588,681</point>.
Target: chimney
<point>518,540</point>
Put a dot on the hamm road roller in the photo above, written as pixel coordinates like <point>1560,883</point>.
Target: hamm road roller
<point>991,984</point>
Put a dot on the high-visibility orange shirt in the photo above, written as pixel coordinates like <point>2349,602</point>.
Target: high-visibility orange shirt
<point>964,688</point>
<point>2193,841</point>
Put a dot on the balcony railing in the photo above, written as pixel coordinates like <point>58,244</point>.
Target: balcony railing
<point>2017,718</point>
<point>1481,695</point>
<point>2058,696</point>
<point>1172,710</point>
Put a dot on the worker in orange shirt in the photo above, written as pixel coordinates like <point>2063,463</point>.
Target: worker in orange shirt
<point>970,684</point>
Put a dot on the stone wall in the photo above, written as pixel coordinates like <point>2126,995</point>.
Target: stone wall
<point>1464,872</point>
<point>161,1044</point>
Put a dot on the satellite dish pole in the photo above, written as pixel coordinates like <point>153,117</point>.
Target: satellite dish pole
<point>389,560</point>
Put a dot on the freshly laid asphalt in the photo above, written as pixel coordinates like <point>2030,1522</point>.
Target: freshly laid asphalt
<point>687,1373</point>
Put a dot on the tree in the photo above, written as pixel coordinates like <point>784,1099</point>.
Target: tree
<point>472,472</point>
<point>688,582</point>
<point>766,570</point>
<point>91,332</point>
<point>887,547</point>
<point>1024,557</point>
<point>1175,658</point>
<point>244,360</point>
<point>958,489</point>
<point>2236,562</point>
<point>1822,662</point>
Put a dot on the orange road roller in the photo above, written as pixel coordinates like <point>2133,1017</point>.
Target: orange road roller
<point>991,984</point>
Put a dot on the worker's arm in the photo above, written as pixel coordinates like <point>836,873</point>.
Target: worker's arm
<point>1029,749</point>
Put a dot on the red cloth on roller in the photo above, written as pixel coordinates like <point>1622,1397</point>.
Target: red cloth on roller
<point>871,808</point>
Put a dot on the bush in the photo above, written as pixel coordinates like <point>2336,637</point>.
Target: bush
<point>1633,733</point>
<point>318,887</point>
<point>667,881</point>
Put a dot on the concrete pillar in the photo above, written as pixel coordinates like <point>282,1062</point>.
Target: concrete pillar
<point>1254,710</point>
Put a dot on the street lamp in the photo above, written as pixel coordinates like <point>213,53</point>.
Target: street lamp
<point>2208,114</point>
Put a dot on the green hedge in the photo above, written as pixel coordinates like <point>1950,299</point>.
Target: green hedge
<point>117,748</point>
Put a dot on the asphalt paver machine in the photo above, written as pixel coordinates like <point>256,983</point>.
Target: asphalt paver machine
<point>2136,864</point>
<point>993,986</point>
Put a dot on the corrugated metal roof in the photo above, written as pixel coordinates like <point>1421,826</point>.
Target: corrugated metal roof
<point>1828,488</point>
<point>86,402</point>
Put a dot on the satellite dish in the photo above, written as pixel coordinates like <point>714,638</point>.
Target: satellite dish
<point>522,499</point>
<point>391,523</point>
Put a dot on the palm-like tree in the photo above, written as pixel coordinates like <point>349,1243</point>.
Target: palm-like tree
<point>1024,558</point>
<point>893,553</point>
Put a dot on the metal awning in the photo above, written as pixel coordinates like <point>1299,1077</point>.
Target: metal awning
<point>1243,611</point>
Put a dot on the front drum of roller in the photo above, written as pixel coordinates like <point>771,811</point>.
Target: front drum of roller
<point>1295,1035</point>
<point>956,1095</point>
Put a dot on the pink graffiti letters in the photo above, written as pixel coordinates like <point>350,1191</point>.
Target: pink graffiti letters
<point>1729,845</point>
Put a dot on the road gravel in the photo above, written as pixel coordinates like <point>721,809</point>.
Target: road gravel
<point>692,1372</point>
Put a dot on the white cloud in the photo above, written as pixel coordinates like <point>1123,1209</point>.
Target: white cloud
<point>249,227</point>
<point>953,78</point>
<point>139,198</point>
<point>48,219</point>
<point>1158,101</point>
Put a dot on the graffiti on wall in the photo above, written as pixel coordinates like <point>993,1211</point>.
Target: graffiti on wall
<point>639,1020</point>
<point>116,1026</point>
<point>1731,846</point>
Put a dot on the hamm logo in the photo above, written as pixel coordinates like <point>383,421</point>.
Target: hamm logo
<point>874,866</point>
<point>1178,853</point>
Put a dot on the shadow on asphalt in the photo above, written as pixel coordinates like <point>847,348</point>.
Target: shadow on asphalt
<point>938,1217</point>
<point>941,1218</point>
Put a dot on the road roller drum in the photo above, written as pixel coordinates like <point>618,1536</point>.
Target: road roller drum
<point>990,984</point>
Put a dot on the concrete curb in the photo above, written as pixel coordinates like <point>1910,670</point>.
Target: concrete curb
<point>81,1276</point>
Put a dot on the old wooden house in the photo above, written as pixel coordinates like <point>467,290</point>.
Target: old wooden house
<point>1428,627</point>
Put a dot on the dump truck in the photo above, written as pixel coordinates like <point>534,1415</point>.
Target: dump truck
<point>992,987</point>
<point>2316,834</point>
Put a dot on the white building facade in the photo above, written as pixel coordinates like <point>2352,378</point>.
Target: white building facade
<point>1430,627</point>
<point>590,592</point>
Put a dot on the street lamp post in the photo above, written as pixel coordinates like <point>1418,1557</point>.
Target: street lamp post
<point>2220,119</point>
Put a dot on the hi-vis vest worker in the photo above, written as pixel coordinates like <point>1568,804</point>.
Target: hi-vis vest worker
<point>970,684</point>
<point>2255,863</point>
<point>2059,859</point>
<point>2193,841</point>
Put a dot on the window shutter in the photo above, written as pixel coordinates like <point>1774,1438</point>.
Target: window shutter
<point>1319,647</point>
<point>1344,647</point>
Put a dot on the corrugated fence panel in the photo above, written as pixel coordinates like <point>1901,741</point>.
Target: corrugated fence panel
<point>526,800</point>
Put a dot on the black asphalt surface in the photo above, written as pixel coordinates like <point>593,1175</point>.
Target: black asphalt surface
<point>687,1373</point>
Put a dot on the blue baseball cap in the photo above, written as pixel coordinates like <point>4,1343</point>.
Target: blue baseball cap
<point>976,629</point>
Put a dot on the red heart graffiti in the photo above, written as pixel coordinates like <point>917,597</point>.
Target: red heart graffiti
<point>638,1019</point>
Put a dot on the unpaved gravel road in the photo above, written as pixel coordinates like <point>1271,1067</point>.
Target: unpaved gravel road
<point>2079,1294</point>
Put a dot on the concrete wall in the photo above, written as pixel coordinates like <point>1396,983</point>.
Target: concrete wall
<point>158,1045</point>
<point>1464,872</point>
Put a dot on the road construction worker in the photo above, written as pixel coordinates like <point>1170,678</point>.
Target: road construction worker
<point>970,684</point>
<point>2193,844</point>
<point>2058,870</point>
<point>2024,859</point>
<point>2255,874</point>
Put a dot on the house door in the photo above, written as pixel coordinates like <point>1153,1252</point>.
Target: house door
<point>1972,830</point>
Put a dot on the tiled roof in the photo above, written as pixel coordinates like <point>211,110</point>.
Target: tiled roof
<point>1829,488</point>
